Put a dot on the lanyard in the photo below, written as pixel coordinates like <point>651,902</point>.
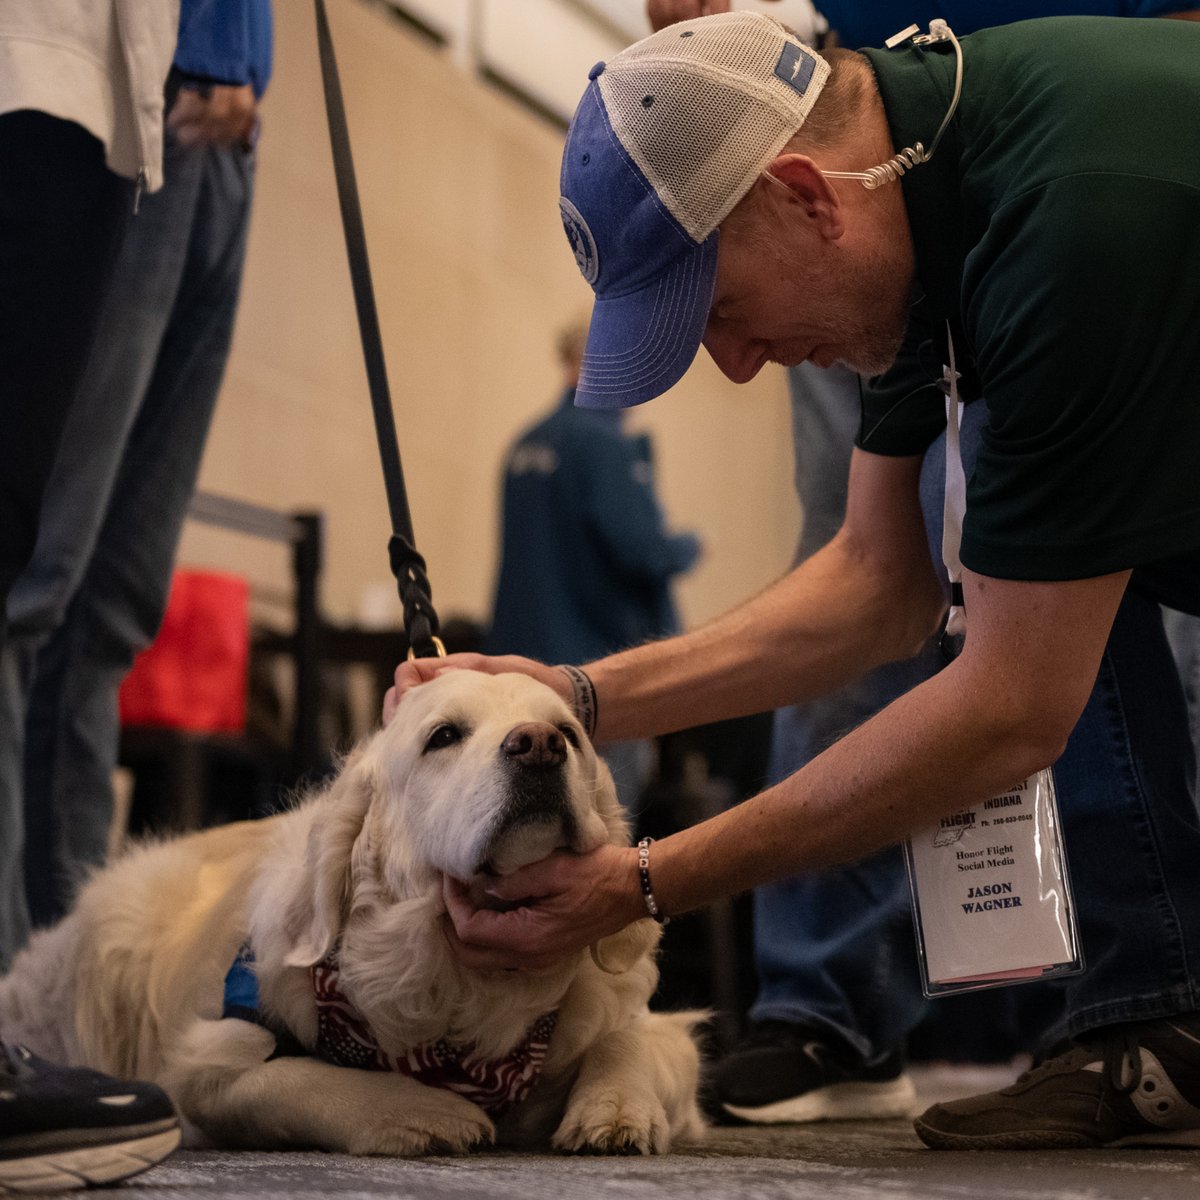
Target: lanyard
<point>955,504</point>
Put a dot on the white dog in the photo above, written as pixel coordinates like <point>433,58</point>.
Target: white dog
<point>328,922</point>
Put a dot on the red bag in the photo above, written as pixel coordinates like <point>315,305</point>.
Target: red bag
<point>193,676</point>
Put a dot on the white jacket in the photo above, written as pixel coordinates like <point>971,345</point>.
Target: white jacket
<point>100,63</point>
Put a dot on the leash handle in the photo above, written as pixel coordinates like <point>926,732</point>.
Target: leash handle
<point>420,619</point>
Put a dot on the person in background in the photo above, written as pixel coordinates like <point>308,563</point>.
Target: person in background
<point>80,143</point>
<point>94,593</point>
<point>585,561</point>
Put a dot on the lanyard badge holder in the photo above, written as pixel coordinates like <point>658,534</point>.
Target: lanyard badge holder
<point>991,895</point>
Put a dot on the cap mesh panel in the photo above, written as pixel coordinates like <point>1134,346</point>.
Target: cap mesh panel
<point>701,115</point>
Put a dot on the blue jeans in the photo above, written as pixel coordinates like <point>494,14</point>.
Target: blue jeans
<point>834,949</point>
<point>95,591</point>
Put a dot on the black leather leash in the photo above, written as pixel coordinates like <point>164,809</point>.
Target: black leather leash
<point>420,619</point>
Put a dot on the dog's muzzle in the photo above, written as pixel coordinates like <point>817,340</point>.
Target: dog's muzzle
<point>538,813</point>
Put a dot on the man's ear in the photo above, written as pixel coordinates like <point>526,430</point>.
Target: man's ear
<point>810,189</point>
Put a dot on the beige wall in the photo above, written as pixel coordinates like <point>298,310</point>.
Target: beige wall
<point>473,275</point>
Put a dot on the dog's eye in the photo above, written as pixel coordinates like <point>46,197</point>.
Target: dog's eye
<point>443,736</point>
<point>568,731</point>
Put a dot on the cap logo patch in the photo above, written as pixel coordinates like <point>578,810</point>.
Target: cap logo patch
<point>583,245</point>
<point>795,67</point>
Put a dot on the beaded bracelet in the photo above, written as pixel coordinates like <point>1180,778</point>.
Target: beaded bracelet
<point>652,908</point>
<point>583,698</point>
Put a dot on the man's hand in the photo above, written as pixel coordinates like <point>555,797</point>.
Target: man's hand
<point>662,13</point>
<point>567,902</point>
<point>417,671</point>
<point>666,12</point>
<point>219,115</point>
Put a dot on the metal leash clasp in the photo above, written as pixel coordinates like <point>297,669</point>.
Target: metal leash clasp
<point>438,645</point>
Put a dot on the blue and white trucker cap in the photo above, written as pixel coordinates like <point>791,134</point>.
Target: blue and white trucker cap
<point>668,137</point>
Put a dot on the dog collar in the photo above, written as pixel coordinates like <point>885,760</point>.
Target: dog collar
<point>345,1039</point>
<point>241,1001</point>
<point>241,988</point>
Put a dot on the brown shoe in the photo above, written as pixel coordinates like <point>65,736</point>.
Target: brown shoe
<point>1129,1085</point>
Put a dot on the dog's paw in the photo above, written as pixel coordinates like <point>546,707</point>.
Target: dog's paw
<point>410,1134</point>
<point>606,1121</point>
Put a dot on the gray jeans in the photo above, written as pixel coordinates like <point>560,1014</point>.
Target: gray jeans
<point>95,591</point>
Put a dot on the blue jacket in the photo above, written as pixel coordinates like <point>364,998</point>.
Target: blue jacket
<point>873,22</point>
<point>226,41</point>
<point>585,560</point>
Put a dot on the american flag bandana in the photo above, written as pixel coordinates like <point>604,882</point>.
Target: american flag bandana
<point>345,1039</point>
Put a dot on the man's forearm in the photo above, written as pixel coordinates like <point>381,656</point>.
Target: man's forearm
<point>924,756</point>
<point>820,627</point>
<point>1000,712</point>
<point>867,598</point>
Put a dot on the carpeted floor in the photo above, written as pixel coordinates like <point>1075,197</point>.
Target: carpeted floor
<point>835,1161</point>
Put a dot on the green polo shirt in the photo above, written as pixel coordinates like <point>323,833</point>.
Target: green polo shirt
<point>1057,229</point>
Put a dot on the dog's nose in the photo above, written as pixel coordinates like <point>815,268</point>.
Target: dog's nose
<point>535,744</point>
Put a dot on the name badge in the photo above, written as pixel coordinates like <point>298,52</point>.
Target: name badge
<point>991,894</point>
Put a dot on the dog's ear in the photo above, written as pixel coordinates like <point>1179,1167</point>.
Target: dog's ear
<point>320,904</point>
<point>619,952</point>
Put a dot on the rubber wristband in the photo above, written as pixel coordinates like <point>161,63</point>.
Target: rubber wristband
<point>643,848</point>
<point>583,698</point>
